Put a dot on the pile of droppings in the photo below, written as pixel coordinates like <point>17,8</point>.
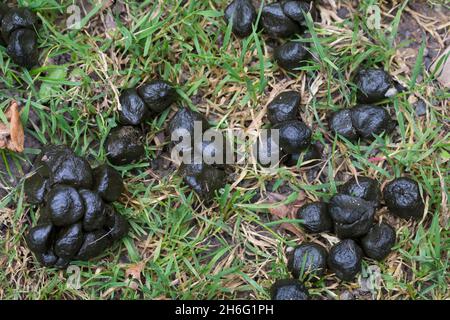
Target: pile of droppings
<point>287,19</point>
<point>203,178</point>
<point>294,141</point>
<point>124,143</point>
<point>350,214</point>
<point>19,36</point>
<point>77,218</point>
<point>366,120</point>
<point>280,20</point>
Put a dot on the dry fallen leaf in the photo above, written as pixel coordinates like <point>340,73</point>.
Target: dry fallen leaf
<point>11,134</point>
<point>286,211</point>
<point>134,271</point>
<point>133,274</point>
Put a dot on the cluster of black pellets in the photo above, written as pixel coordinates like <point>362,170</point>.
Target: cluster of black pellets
<point>294,135</point>
<point>19,36</point>
<point>280,20</point>
<point>204,178</point>
<point>124,143</point>
<point>365,120</point>
<point>350,215</point>
<point>77,218</point>
<point>124,146</point>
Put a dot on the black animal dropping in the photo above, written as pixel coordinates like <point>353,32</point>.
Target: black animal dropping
<point>373,84</point>
<point>242,16</point>
<point>364,188</point>
<point>158,95</point>
<point>284,107</point>
<point>203,178</point>
<point>289,289</point>
<point>402,197</point>
<point>291,55</point>
<point>352,216</point>
<point>344,259</point>
<point>307,258</point>
<point>378,242</point>
<point>123,145</point>
<point>315,217</point>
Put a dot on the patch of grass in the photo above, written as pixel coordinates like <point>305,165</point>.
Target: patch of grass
<point>177,247</point>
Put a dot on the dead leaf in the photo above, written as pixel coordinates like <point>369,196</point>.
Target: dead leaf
<point>286,211</point>
<point>133,275</point>
<point>134,271</point>
<point>11,134</point>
